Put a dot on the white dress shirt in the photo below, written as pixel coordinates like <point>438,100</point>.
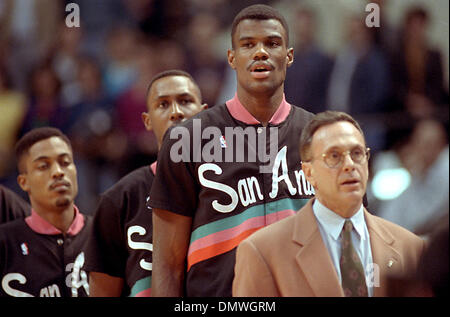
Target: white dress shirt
<point>330,226</point>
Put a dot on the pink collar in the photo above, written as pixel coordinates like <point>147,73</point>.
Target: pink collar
<point>42,226</point>
<point>153,167</point>
<point>239,112</point>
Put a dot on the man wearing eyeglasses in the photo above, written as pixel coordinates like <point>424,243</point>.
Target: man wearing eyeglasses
<point>333,246</point>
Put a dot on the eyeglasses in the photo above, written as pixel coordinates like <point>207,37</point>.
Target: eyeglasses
<point>334,158</point>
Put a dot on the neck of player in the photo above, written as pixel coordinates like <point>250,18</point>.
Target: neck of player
<point>60,217</point>
<point>261,106</point>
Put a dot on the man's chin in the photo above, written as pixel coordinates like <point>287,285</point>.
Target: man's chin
<point>354,196</point>
<point>262,86</point>
<point>63,202</point>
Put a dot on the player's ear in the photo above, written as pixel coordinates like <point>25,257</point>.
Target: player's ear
<point>230,57</point>
<point>290,57</point>
<point>147,122</point>
<point>22,180</point>
<point>308,170</point>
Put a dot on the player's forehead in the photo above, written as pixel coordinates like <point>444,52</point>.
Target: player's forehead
<point>50,147</point>
<point>172,86</point>
<point>256,28</point>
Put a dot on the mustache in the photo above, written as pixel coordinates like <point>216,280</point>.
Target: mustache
<point>261,63</point>
<point>57,183</point>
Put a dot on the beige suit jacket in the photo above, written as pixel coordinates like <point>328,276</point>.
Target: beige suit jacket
<point>289,257</point>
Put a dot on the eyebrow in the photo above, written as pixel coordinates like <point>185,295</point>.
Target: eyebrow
<point>337,147</point>
<point>245,38</point>
<point>184,94</point>
<point>43,157</point>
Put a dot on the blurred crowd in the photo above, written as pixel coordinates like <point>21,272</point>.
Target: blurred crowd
<point>91,81</point>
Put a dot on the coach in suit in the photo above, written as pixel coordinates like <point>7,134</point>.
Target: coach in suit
<point>333,246</point>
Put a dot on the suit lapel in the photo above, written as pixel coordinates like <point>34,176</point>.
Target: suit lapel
<point>313,257</point>
<point>388,261</point>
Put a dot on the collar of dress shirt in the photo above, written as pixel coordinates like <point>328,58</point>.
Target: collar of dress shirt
<point>153,167</point>
<point>239,112</point>
<point>42,226</point>
<point>333,223</point>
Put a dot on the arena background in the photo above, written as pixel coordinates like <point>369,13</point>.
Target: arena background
<point>90,81</point>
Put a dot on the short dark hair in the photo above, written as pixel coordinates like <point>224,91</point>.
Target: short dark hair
<point>319,120</point>
<point>32,137</point>
<point>259,12</point>
<point>173,72</point>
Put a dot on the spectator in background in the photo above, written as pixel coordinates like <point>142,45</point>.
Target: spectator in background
<point>90,128</point>
<point>157,18</point>
<point>417,73</point>
<point>307,80</point>
<point>146,15</point>
<point>96,19</point>
<point>93,98</point>
<point>425,201</point>
<point>28,28</point>
<point>223,10</point>
<point>360,80</point>
<point>64,61</point>
<point>13,107</point>
<point>129,107</point>
<point>119,70</point>
<point>386,35</point>
<point>174,18</point>
<point>204,62</point>
<point>45,105</point>
<point>174,56</point>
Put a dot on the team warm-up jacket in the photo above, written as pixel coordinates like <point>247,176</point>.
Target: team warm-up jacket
<point>212,168</point>
<point>120,243</point>
<point>37,260</point>
<point>12,206</point>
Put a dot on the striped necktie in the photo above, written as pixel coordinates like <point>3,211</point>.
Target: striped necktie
<point>352,272</point>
